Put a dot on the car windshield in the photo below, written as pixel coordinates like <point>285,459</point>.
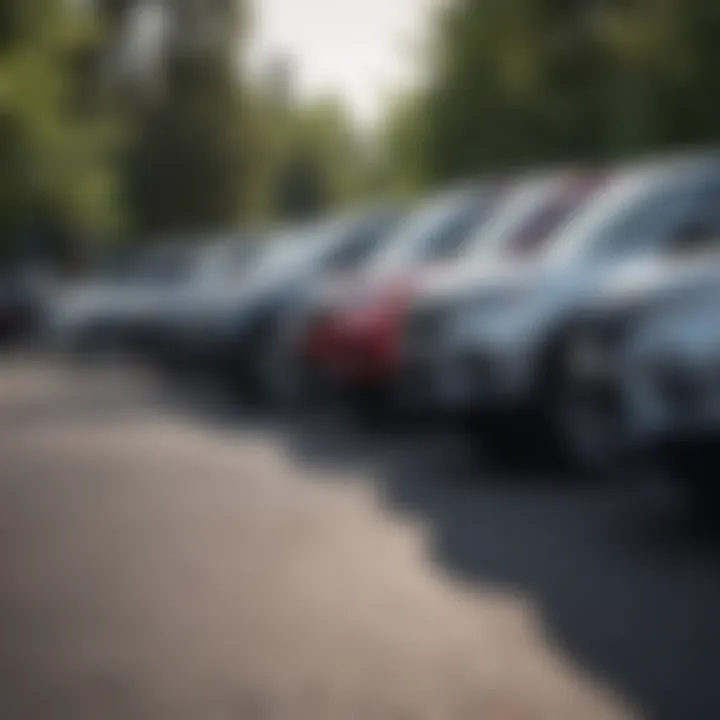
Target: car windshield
<point>510,215</point>
<point>166,263</point>
<point>116,265</point>
<point>434,232</point>
<point>536,213</point>
<point>363,240</point>
<point>618,217</point>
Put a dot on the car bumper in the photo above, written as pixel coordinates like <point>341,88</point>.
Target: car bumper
<point>461,382</point>
<point>660,407</point>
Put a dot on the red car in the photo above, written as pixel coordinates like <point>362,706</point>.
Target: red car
<point>354,335</point>
<point>357,338</point>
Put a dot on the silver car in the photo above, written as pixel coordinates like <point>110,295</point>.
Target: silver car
<point>505,343</point>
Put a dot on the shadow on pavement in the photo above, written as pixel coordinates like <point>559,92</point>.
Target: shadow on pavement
<point>626,575</point>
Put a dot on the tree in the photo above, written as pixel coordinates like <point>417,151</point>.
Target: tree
<point>301,190</point>
<point>518,82</point>
<point>318,163</point>
<point>48,159</point>
<point>403,146</point>
<point>186,165</point>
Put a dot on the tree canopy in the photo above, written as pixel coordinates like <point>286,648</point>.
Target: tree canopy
<point>532,81</point>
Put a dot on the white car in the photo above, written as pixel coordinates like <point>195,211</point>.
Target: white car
<point>503,252</point>
<point>504,343</point>
<point>169,307</point>
<point>103,311</point>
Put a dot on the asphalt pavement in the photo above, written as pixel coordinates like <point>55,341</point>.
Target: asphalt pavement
<point>165,554</point>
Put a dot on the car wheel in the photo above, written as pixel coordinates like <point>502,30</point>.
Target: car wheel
<point>280,375</point>
<point>582,423</point>
<point>589,425</point>
<point>696,469</point>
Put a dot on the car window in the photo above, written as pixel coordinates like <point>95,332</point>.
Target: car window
<point>638,210</point>
<point>363,239</point>
<point>533,213</point>
<point>700,230</point>
<point>456,233</point>
<point>539,227</point>
<point>116,265</point>
<point>166,264</point>
<point>435,231</point>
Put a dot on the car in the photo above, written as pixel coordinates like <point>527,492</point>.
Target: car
<point>79,308</point>
<point>524,221</point>
<point>642,374</point>
<point>351,331</point>
<point>508,339</point>
<point>22,304</point>
<point>248,336</point>
<point>218,263</point>
<point>105,311</point>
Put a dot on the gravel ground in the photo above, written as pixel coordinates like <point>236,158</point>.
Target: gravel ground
<point>167,559</point>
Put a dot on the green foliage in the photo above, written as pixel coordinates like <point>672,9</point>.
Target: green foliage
<point>301,189</point>
<point>403,146</point>
<point>533,81</point>
<point>186,167</point>
<point>51,157</point>
<point>310,158</point>
<point>102,146</point>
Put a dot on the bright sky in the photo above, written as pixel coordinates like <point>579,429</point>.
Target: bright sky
<point>359,49</point>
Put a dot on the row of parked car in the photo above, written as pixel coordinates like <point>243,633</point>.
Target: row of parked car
<point>571,310</point>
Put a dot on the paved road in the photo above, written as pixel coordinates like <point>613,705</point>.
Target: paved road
<point>164,557</point>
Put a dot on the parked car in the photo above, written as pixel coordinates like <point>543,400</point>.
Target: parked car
<point>22,299</point>
<point>216,265</point>
<point>104,311</point>
<point>643,368</point>
<point>249,334</point>
<point>524,222</point>
<point>508,339</point>
<point>351,331</point>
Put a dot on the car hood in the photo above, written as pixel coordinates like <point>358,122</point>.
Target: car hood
<point>655,279</point>
<point>336,291</point>
<point>456,282</point>
<point>430,284</point>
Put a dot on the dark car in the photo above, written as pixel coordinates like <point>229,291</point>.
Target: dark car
<point>248,335</point>
<point>21,306</point>
<point>511,335</point>
<point>642,373</point>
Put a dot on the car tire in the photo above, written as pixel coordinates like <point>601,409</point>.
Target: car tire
<point>588,426</point>
<point>696,469</point>
<point>578,425</point>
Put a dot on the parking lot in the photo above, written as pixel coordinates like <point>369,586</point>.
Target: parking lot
<point>168,555</point>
